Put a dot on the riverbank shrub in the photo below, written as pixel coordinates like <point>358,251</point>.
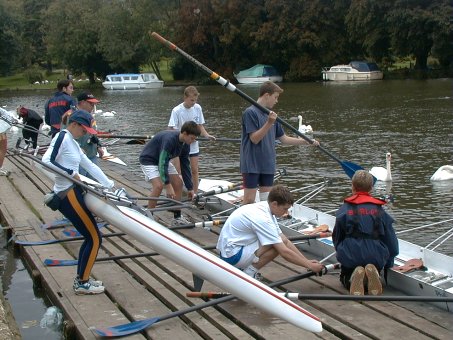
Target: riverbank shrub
<point>33,75</point>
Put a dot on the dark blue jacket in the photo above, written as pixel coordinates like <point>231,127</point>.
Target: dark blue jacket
<point>55,108</point>
<point>164,146</point>
<point>364,234</point>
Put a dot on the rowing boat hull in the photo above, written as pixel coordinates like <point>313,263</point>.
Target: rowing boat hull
<point>437,280</point>
<point>202,263</point>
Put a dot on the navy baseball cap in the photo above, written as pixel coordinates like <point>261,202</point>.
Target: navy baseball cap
<point>83,118</point>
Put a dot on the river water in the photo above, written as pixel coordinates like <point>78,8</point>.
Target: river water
<point>357,122</point>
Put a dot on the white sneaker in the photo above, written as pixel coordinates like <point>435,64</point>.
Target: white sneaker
<point>4,172</point>
<point>90,280</point>
<point>87,288</point>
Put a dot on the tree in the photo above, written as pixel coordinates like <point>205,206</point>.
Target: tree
<point>10,41</point>
<point>414,25</point>
<point>367,32</point>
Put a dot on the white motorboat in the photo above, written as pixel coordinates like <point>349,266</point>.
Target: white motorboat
<point>258,74</point>
<point>434,279</point>
<point>132,81</point>
<point>355,70</point>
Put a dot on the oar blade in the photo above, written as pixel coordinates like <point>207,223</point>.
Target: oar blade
<point>350,168</point>
<point>59,263</point>
<point>126,329</point>
<point>136,142</point>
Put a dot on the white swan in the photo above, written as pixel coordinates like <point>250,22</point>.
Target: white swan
<point>304,128</point>
<point>108,114</point>
<point>45,128</point>
<point>383,174</point>
<point>445,172</point>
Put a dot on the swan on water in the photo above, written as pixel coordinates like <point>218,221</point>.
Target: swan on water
<point>381,173</point>
<point>109,114</point>
<point>45,127</point>
<point>304,128</point>
<point>445,172</point>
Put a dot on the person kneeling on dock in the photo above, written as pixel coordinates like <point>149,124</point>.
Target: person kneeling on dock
<point>157,168</point>
<point>251,236</point>
<point>65,154</point>
<point>364,238</point>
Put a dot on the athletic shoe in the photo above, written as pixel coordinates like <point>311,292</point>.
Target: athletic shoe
<point>87,288</point>
<point>253,272</point>
<point>374,281</point>
<point>4,172</point>
<point>180,221</point>
<point>357,278</point>
<point>90,280</point>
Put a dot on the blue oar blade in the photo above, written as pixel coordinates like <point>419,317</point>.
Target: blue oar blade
<point>350,168</point>
<point>127,328</point>
<point>59,263</point>
<point>35,243</point>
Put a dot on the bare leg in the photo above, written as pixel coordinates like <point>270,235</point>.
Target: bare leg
<point>265,254</point>
<point>249,196</point>
<point>195,174</point>
<point>176,183</point>
<point>3,144</point>
<point>156,190</point>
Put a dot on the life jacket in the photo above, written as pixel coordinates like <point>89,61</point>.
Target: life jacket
<point>364,198</point>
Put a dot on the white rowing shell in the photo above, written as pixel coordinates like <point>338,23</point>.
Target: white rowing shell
<point>202,263</point>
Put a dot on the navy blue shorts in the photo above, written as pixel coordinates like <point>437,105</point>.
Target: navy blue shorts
<point>252,181</point>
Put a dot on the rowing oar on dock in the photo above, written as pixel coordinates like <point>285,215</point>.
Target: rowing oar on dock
<point>204,224</point>
<point>138,326</point>
<point>348,167</point>
<point>63,263</point>
<point>142,139</point>
<point>333,297</point>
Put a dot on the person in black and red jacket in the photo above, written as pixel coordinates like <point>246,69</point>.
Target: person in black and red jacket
<point>364,238</point>
<point>32,120</point>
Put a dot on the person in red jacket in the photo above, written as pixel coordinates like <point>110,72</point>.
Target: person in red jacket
<point>364,238</point>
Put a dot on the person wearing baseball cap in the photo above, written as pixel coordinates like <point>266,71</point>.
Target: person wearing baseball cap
<point>66,155</point>
<point>86,96</point>
<point>89,143</point>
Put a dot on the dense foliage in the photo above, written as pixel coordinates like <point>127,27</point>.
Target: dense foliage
<point>97,37</point>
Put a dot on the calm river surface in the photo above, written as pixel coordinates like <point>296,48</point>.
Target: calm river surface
<point>358,122</point>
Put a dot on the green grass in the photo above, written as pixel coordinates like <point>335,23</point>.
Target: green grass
<point>19,82</point>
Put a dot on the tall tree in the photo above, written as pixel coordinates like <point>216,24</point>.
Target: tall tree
<point>414,25</point>
<point>72,37</point>
<point>35,50</point>
<point>10,40</point>
<point>368,33</point>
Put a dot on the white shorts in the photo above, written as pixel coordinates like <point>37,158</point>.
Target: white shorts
<point>248,255</point>
<point>152,171</point>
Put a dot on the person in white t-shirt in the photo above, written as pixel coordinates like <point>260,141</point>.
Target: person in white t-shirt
<point>251,237</point>
<point>190,110</point>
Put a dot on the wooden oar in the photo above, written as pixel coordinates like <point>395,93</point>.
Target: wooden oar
<point>138,326</point>
<point>348,167</point>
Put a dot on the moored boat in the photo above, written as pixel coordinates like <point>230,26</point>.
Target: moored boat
<point>132,81</point>
<point>355,70</point>
<point>258,74</point>
<point>434,278</point>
